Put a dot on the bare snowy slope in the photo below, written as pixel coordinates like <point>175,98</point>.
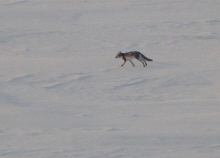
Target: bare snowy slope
<point>63,94</point>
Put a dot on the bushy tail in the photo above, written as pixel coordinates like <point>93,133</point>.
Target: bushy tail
<point>145,58</point>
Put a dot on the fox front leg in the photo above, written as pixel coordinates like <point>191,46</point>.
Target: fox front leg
<point>124,62</point>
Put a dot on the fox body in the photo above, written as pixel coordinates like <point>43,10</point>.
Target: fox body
<point>131,55</point>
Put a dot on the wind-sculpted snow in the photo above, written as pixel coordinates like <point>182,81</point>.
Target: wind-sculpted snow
<point>63,93</point>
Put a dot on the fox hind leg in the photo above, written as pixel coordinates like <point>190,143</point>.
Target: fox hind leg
<point>142,62</point>
<point>139,58</point>
<point>145,62</point>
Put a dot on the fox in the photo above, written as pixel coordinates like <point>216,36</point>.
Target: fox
<point>131,55</point>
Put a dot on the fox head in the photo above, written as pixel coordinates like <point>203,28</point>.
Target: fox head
<point>119,55</point>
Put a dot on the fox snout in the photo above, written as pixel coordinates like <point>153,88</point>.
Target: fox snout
<point>118,55</point>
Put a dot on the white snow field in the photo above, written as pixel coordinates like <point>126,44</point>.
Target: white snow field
<point>64,95</point>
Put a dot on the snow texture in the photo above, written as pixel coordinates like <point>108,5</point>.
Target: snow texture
<point>63,94</point>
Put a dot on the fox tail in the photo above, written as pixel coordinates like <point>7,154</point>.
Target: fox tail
<point>145,58</point>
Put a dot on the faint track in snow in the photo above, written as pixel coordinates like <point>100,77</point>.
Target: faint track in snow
<point>21,79</point>
<point>10,3</point>
<point>132,82</point>
<point>66,81</point>
<point>60,82</point>
<point>186,80</point>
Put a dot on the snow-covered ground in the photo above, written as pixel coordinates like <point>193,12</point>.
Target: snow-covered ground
<point>63,94</point>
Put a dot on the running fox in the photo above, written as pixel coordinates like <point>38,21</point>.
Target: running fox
<point>131,55</point>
